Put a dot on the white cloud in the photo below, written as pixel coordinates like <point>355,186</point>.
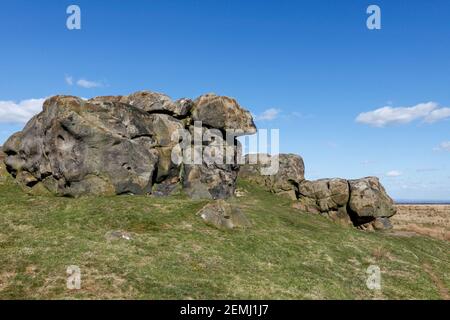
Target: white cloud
<point>21,112</point>
<point>429,112</point>
<point>444,146</point>
<point>393,173</point>
<point>87,84</point>
<point>84,83</point>
<point>438,114</point>
<point>269,114</point>
<point>69,80</point>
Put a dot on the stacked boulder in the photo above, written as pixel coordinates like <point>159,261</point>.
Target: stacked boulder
<point>124,145</point>
<point>363,203</point>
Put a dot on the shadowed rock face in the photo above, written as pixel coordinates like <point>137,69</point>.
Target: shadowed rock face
<point>119,144</point>
<point>362,202</point>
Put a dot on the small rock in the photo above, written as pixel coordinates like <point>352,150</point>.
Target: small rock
<point>239,193</point>
<point>382,223</point>
<point>223,215</point>
<point>117,235</point>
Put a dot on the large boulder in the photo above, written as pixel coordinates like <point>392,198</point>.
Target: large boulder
<point>223,113</point>
<point>77,147</point>
<point>328,197</point>
<point>364,201</point>
<point>281,174</point>
<point>329,194</point>
<point>122,144</point>
<point>368,198</point>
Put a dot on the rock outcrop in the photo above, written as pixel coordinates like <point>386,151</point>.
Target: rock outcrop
<point>125,144</point>
<point>362,202</point>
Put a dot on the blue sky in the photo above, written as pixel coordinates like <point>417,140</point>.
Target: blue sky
<point>313,64</point>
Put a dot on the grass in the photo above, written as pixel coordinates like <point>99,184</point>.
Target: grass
<point>174,255</point>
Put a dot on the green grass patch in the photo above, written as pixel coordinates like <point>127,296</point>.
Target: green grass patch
<point>286,254</point>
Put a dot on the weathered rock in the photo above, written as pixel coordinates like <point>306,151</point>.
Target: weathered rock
<point>340,216</point>
<point>212,172</point>
<point>76,147</point>
<point>3,173</point>
<point>209,181</point>
<point>223,113</point>
<point>159,103</point>
<point>329,194</point>
<point>152,102</point>
<point>368,198</point>
<point>122,144</point>
<point>363,201</point>
<point>382,223</point>
<point>223,215</point>
<point>281,173</point>
<point>360,202</point>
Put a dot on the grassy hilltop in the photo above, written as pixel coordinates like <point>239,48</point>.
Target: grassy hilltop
<point>173,254</point>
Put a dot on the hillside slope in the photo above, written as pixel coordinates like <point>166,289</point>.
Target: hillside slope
<point>173,254</point>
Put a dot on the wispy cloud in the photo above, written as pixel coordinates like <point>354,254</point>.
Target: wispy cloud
<point>268,115</point>
<point>83,83</point>
<point>20,112</point>
<point>428,112</point>
<point>393,173</point>
<point>87,84</point>
<point>69,80</point>
<point>444,146</point>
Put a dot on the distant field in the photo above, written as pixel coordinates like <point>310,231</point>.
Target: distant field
<point>426,219</point>
<point>174,255</point>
